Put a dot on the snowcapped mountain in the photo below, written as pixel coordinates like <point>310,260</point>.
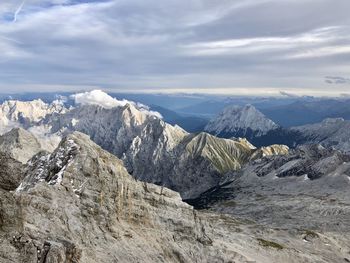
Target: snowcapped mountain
<point>331,132</point>
<point>236,121</point>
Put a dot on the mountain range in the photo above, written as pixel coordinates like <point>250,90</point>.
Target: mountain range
<point>250,123</point>
<point>109,180</point>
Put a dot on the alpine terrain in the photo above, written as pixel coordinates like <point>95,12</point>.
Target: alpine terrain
<point>108,180</point>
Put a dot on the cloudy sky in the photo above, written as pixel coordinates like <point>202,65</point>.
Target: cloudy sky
<point>227,46</point>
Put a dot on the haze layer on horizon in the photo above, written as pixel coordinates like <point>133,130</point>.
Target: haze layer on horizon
<point>250,47</point>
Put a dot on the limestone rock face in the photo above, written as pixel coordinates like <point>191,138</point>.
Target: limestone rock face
<point>19,144</point>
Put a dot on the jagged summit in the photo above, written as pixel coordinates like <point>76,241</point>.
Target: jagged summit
<point>82,199</point>
<point>241,122</point>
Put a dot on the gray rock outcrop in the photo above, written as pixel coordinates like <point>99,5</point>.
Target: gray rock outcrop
<point>19,144</point>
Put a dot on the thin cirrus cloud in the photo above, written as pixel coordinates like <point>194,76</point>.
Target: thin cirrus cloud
<point>320,42</point>
<point>235,47</point>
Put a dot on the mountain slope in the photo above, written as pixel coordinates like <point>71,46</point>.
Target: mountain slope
<point>188,123</point>
<point>306,192</point>
<point>19,144</point>
<point>334,133</point>
<point>108,211</point>
<point>11,173</point>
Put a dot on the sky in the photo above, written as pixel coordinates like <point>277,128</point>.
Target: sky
<point>236,47</point>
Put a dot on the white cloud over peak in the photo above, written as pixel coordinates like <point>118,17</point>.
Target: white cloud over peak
<point>100,98</point>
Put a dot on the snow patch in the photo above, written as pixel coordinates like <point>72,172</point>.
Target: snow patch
<point>20,188</point>
<point>74,122</point>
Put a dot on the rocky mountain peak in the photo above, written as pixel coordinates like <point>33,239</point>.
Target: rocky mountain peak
<point>240,121</point>
<point>132,116</point>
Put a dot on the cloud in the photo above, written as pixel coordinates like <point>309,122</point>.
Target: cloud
<point>287,94</point>
<point>100,98</point>
<point>337,80</point>
<point>127,45</point>
<point>260,44</point>
<point>19,9</point>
